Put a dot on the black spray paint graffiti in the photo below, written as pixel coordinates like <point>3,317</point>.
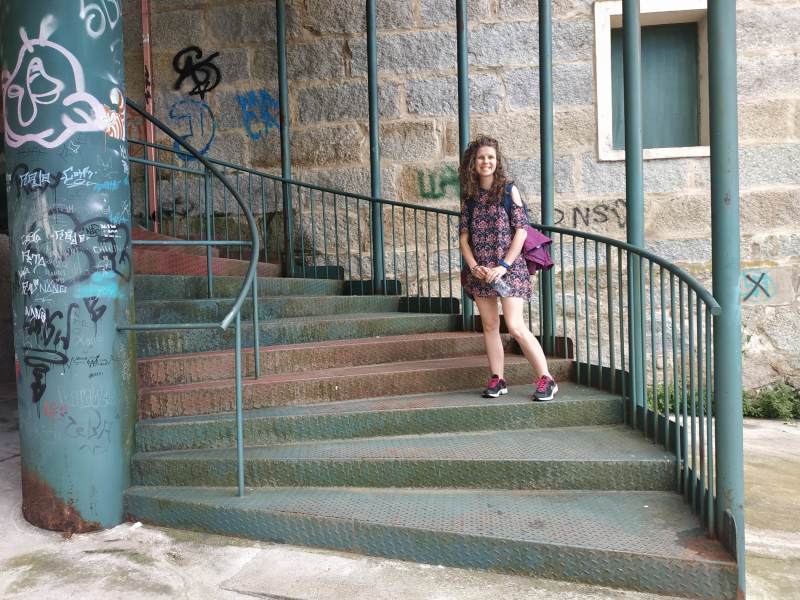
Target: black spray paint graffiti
<point>258,106</point>
<point>592,215</point>
<point>760,287</point>
<point>204,73</point>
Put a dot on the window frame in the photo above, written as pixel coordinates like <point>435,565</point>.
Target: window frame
<point>608,15</point>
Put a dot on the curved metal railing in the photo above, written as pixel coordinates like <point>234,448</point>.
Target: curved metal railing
<point>249,284</point>
<point>630,321</point>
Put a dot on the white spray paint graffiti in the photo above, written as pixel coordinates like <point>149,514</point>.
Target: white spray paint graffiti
<point>29,88</point>
<point>115,117</point>
<point>98,15</point>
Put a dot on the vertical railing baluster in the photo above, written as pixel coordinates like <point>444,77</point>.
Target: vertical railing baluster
<point>256,326</point>
<point>349,253</point>
<point>394,244</point>
<point>623,382</point>
<point>438,260</point>
<point>675,395</point>
<point>653,358</point>
<point>186,202</point>
<point>586,309</point>
<point>225,212</point>
<point>301,228</point>
<point>313,233</point>
<point>239,410</point>
<point>405,259</point>
<point>611,325</point>
<point>664,375</point>
<point>360,245</point>
<point>597,313</point>
<point>692,397</point>
<point>209,263</point>
<point>684,411</point>
<point>416,254</point>
<point>701,448</point>
<point>563,294</point>
<point>710,497</point>
<point>325,232</point>
<point>427,262</point>
<point>575,303</point>
<point>174,201</point>
<point>265,233</point>
<point>336,232</point>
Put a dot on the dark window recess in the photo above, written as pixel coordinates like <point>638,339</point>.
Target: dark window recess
<point>670,99</point>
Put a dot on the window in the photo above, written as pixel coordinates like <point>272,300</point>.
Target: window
<point>674,80</point>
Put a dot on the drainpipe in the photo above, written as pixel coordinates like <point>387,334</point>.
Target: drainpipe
<point>149,132</point>
<point>467,309</point>
<point>286,152</point>
<point>378,271</point>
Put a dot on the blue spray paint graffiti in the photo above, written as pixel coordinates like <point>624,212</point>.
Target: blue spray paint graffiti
<point>198,123</point>
<point>258,106</point>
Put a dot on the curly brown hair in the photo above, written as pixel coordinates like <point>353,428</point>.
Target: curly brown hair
<point>468,177</point>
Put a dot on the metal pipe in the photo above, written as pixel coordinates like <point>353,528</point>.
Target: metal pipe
<point>149,129</point>
<point>546,152</point>
<point>378,270</point>
<point>286,152</point>
<point>634,194</point>
<point>467,309</point>
<point>726,271</point>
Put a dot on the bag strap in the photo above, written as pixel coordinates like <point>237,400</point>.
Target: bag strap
<point>508,201</point>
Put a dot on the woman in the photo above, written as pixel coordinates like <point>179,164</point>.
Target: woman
<point>491,241</point>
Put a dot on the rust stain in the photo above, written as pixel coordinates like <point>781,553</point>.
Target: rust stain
<point>42,508</point>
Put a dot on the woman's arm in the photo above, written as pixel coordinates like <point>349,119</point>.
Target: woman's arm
<point>476,269</point>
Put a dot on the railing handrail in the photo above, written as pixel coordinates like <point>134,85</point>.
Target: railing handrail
<point>702,293</point>
<point>254,241</point>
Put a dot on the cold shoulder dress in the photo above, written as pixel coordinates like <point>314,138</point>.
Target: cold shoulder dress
<point>490,235</point>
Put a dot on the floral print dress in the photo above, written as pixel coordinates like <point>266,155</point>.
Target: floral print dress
<point>490,235</point>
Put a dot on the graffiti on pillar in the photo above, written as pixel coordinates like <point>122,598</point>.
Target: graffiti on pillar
<point>196,124</point>
<point>115,116</point>
<point>259,112</point>
<point>99,15</point>
<point>204,73</point>
<point>48,109</point>
<point>437,182</point>
<point>757,287</point>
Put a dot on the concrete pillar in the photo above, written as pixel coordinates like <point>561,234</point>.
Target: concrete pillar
<point>70,230</point>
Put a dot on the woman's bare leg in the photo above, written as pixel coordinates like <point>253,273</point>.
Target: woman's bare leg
<point>490,320</point>
<point>512,311</point>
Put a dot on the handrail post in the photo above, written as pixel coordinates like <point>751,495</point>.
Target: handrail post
<point>209,228</point>
<point>546,153</point>
<point>634,188</point>
<point>286,156</point>
<point>723,121</point>
<point>378,271</point>
<point>463,127</point>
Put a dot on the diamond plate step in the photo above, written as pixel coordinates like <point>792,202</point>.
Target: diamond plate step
<point>175,287</point>
<point>328,385</point>
<point>293,331</point>
<point>399,415</point>
<point>272,307</point>
<point>597,458</point>
<point>292,358</point>
<point>646,541</point>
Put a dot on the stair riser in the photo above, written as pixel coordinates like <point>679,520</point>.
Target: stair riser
<point>173,403</point>
<point>198,311</point>
<point>156,287</point>
<point>263,431</point>
<point>598,567</point>
<point>198,368</point>
<point>638,475</point>
<point>276,332</point>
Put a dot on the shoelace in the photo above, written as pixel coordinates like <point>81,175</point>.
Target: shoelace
<point>493,381</point>
<point>541,385</point>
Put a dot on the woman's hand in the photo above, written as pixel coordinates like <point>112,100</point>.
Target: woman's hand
<point>480,272</point>
<point>495,273</point>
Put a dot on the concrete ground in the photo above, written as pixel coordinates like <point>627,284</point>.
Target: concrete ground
<point>143,562</point>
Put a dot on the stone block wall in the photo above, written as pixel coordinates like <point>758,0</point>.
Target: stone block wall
<point>238,121</point>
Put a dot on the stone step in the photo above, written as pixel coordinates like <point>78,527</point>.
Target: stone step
<point>294,331</point>
<point>399,415</point>
<point>270,307</point>
<point>159,262</point>
<point>564,458</point>
<point>292,358</point>
<point>176,287</point>
<point>645,541</point>
<point>140,233</point>
<point>341,383</point>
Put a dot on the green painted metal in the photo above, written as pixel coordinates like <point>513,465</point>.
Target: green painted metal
<point>286,151</point>
<point>378,271</point>
<point>70,241</point>
<point>726,272</point>
<point>669,86</point>
<point>537,534</point>
<point>462,48</point>
<point>634,194</point>
<point>547,311</point>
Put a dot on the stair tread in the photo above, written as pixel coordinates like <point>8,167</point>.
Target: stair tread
<point>388,339</point>
<point>518,394</point>
<point>414,366</point>
<point>584,443</point>
<point>651,523</point>
<point>281,297</point>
